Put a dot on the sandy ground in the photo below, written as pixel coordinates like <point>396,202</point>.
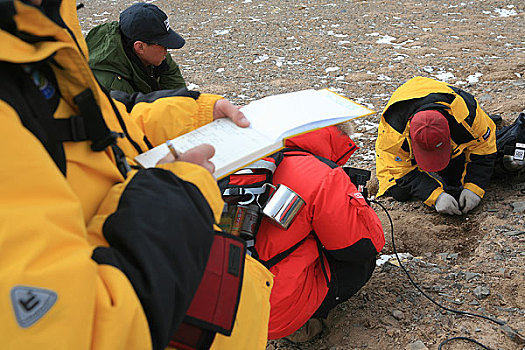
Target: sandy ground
<point>248,49</point>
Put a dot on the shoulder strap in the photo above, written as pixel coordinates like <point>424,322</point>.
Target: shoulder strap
<point>287,152</point>
<point>284,254</point>
<point>16,89</point>
<point>38,116</point>
<point>281,256</point>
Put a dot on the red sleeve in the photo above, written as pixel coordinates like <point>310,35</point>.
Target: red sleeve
<point>341,216</point>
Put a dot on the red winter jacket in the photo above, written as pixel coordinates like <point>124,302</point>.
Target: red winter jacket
<point>334,209</point>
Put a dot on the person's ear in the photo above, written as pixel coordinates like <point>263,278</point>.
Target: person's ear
<point>138,46</point>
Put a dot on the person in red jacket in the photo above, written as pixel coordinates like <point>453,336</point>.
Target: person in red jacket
<point>337,234</point>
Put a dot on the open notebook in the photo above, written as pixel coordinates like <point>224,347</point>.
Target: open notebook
<point>272,120</point>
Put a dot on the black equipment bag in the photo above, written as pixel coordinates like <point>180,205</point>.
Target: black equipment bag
<point>510,144</point>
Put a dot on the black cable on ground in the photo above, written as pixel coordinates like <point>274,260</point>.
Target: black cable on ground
<point>499,322</point>
<point>462,338</point>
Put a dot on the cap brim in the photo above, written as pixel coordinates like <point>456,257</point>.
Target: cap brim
<point>172,40</point>
<point>431,161</point>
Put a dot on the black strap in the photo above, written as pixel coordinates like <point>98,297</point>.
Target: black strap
<point>287,153</point>
<point>8,10</point>
<point>320,251</point>
<point>121,121</point>
<point>71,129</point>
<point>37,116</point>
<point>148,142</point>
<point>95,126</point>
<point>284,254</point>
<point>130,100</point>
<point>281,256</point>
<point>16,89</point>
<point>121,160</point>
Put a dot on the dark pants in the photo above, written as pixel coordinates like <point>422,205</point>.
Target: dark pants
<point>347,279</point>
<point>450,176</point>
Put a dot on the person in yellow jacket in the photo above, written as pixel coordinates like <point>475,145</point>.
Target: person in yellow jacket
<point>435,144</point>
<point>93,253</point>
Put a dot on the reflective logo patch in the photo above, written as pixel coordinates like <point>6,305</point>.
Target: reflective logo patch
<point>167,24</point>
<point>31,304</point>
<point>487,134</point>
<point>358,195</point>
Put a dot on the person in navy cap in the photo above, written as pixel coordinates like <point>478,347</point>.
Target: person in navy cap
<point>131,55</point>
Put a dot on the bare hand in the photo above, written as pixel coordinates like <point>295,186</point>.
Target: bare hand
<point>199,155</point>
<point>225,109</point>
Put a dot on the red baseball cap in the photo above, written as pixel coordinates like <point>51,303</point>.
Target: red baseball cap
<point>430,135</point>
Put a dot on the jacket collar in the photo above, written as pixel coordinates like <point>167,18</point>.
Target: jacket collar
<point>327,142</point>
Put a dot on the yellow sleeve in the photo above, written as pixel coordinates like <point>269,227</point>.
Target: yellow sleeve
<point>392,162</point>
<point>169,117</point>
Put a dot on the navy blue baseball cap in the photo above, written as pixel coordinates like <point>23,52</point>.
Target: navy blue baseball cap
<point>148,23</point>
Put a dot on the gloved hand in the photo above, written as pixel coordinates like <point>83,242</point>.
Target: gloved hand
<point>446,204</point>
<point>468,200</point>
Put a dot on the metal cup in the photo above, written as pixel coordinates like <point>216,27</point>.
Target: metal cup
<point>283,206</point>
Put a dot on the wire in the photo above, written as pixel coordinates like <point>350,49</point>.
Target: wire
<point>499,322</point>
<point>462,338</point>
<point>418,288</point>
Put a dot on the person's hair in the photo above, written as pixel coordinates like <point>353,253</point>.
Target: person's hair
<point>346,128</point>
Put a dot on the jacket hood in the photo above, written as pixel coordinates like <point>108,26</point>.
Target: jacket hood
<point>106,51</point>
<point>43,25</point>
<point>327,142</point>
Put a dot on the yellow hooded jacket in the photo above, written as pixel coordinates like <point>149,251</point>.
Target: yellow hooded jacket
<point>472,132</point>
<point>88,256</point>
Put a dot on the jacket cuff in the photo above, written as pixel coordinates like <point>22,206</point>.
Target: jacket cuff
<point>431,200</point>
<point>474,188</point>
<point>206,103</point>
<point>204,181</point>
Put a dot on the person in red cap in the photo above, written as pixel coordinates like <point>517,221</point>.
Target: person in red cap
<point>435,144</point>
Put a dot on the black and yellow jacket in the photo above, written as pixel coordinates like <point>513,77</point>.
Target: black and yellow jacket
<point>93,254</point>
<point>472,132</point>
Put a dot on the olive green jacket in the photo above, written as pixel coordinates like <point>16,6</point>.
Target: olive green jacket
<point>116,70</point>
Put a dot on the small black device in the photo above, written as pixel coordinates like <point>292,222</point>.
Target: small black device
<point>359,178</point>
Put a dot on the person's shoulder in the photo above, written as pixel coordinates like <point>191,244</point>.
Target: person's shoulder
<point>105,29</point>
<point>106,52</point>
<point>316,165</point>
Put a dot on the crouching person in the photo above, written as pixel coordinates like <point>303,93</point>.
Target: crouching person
<point>328,251</point>
<point>437,145</point>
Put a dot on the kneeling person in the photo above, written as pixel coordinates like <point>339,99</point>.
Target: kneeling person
<point>435,144</point>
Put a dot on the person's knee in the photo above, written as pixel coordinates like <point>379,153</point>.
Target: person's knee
<point>399,194</point>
